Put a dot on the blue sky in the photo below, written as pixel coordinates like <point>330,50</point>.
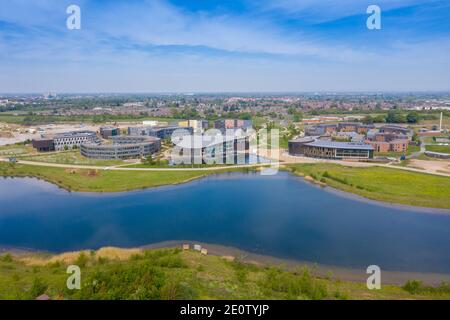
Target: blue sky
<point>229,45</point>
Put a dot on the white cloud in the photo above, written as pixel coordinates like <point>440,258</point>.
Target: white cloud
<point>325,10</point>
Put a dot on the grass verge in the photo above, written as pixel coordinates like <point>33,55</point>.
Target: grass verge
<point>87,180</point>
<point>383,184</point>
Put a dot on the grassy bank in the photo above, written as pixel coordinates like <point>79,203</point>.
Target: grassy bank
<point>383,184</point>
<point>174,274</point>
<point>438,148</point>
<point>102,180</point>
<point>377,183</point>
<point>69,157</point>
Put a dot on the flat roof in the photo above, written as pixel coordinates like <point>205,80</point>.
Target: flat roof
<point>340,145</point>
<point>74,134</point>
<point>304,139</point>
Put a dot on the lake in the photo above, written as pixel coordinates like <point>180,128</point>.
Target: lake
<point>281,216</point>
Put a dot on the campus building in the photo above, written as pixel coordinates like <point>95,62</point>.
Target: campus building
<point>68,140</point>
<point>63,141</point>
<point>225,124</point>
<point>399,145</point>
<point>315,148</point>
<point>320,130</point>
<point>330,129</point>
<point>108,132</point>
<point>122,147</point>
<point>393,129</point>
<point>44,144</point>
<point>163,132</point>
<point>203,149</point>
<point>197,125</point>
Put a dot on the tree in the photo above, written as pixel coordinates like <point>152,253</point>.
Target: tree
<point>368,119</point>
<point>412,117</point>
<point>395,116</point>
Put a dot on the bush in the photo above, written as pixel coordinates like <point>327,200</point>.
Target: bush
<point>37,288</point>
<point>301,286</point>
<point>413,286</point>
<point>82,260</point>
<point>6,258</point>
<point>175,290</point>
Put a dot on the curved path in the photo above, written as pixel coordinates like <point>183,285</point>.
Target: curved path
<point>300,160</point>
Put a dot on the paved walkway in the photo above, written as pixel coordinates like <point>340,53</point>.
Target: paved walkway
<point>298,160</point>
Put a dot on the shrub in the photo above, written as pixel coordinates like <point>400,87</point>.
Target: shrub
<point>413,286</point>
<point>82,260</point>
<point>6,258</point>
<point>175,290</point>
<point>301,286</point>
<point>37,288</point>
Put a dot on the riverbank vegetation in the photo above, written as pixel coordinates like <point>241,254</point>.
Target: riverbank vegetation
<point>94,180</point>
<point>376,183</point>
<point>383,184</point>
<point>171,274</point>
<point>438,148</point>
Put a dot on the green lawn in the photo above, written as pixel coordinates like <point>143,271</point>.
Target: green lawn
<point>384,184</point>
<point>171,274</point>
<point>69,157</point>
<point>438,148</point>
<point>102,180</point>
<point>15,150</point>
<point>9,118</point>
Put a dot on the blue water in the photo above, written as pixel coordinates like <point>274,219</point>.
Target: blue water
<point>280,215</point>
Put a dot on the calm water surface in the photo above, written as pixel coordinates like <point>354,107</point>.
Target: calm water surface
<point>277,215</point>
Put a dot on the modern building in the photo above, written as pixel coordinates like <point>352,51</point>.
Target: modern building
<point>201,149</point>
<point>330,149</point>
<point>393,129</point>
<point>330,129</point>
<point>122,147</point>
<point>68,140</point>
<point>348,126</point>
<point>163,132</point>
<point>224,124</point>
<point>320,129</point>
<point>399,145</point>
<point>44,144</point>
<point>108,132</point>
<point>197,125</point>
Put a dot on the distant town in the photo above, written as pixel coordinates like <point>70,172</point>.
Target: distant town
<point>364,127</point>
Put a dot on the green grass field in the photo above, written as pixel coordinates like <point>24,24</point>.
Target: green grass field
<point>384,184</point>
<point>438,148</point>
<point>69,157</point>
<point>102,180</point>
<point>15,150</point>
<point>171,274</point>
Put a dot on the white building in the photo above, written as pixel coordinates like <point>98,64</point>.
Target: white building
<point>74,138</point>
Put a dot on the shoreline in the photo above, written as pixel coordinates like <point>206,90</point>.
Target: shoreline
<point>351,274</point>
<point>380,203</point>
<point>314,183</point>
